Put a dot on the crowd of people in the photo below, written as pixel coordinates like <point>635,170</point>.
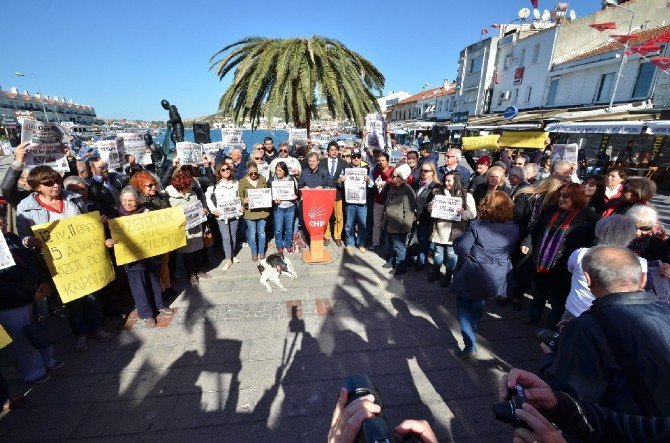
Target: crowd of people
<point>526,227</point>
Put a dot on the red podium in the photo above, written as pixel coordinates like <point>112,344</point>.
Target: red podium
<point>317,207</point>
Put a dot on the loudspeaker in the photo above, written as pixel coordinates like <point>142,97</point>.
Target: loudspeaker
<point>201,133</point>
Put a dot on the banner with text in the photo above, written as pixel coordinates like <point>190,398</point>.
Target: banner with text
<point>259,198</point>
<point>75,252</point>
<point>375,127</point>
<point>523,139</point>
<point>446,208</point>
<point>148,234</point>
<point>567,153</point>
<point>230,208</point>
<point>46,145</point>
<point>212,149</point>
<point>231,137</point>
<point>6,257</point>
<point>481,142</point>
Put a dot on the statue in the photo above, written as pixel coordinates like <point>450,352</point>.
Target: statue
<point>175,122</point>
<point>157,154</point>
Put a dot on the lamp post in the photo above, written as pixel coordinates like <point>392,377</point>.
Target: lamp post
<point>630,28</point>
<point>21,74</point>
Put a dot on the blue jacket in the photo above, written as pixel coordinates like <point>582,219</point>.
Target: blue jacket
<point>465,173</point>
<point>484,266</point>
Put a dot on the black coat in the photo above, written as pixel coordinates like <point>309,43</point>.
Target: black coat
<point>339,169</point>
<point>480,191</point>
<point>104,197</point>
<point>19,283</point>
<point>423,199</point>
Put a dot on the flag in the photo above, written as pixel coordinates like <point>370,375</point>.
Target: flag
<point>661,62</point>
<point>645,49</point>
<point>485,31</point>
<point>623,38</point>
<point>603,26</point>
<point>535,3</point>
<point>495,26</point>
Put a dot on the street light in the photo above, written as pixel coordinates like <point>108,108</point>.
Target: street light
<point>630,29</point>
<point>21,74</point>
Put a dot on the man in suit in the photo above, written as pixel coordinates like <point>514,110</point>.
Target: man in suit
<point>334,166</point>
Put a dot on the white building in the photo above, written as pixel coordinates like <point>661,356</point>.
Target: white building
<point>475,75</point>
<point>429,104</point>
<point>391,99</point>
<point>58,109</point>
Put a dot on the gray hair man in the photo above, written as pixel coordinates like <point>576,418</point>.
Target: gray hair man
<point>614,352</point>
<point>531,172</point>
<point>517,179</point>
<point>452,160</point>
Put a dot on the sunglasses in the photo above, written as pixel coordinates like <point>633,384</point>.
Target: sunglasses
<point>150,185</point>
<point>258,158</point>
<point>49,182</point>
<point>224,169</point>
<point>345,155</point>
<point>253,173</point>
<point>426,170</point>
<point>450,156</point>
<point>645,228</point>
<point>284,151</point>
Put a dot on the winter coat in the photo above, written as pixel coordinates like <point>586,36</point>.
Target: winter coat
<point>399,209</point>
<point>423,199</point>
<point>484,266</point>
<point>443,230</point>
<point>193,235</point>
<point>30,213</point>
<point>245,185</point>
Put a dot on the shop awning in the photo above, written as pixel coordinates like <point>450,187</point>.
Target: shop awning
<point>456,127</point>
<point>661,127</point>
<point>602,127</point>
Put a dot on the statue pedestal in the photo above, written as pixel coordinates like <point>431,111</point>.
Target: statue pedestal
<point>316,253</point>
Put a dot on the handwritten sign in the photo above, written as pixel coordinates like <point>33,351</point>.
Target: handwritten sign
<point>230,208</point>
<point>283,190</point>
<point>481,142</point>
<point>566,153</point>
<point>45,145</point>
<point>194,214</point>
<point>445,208</point>
<point>189,153</point>
<point>148,234</point>
<point>355,189</point>
<point>523,139</point>
<point>74,250</point>
<point>111,151</point>
<point>259,198</point>
<point>6,258</point>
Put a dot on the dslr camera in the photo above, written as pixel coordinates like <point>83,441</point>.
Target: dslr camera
<point>549,338</point>
<point>505,411</point>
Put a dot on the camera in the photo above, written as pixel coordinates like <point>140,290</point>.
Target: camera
<point>505,411</point>
<point>549,338</point>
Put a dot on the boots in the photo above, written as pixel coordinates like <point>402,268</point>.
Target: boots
<point>434,274</point>
<point>446,281</point>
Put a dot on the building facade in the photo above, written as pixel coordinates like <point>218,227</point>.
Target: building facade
<point>475,75</point>
<point>58,109</point>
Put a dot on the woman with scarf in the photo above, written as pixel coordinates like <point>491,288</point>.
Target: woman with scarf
<point>635,190</point>
<point>559,231</point>
<point>143,275</point>
<point>225,190</point>
<point>424,188</point>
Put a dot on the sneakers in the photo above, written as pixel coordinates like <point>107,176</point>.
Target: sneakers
<point>326,241</point>
<point>261,257</point>
<point>362,249</point>
<point>80,344</point>
<point>102,335</point>
<point>349,248</point>
<point>236,260</point>
<point>338,242</point>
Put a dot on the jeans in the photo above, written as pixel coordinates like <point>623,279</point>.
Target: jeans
<point>439,257</point>
<point>469,314</point>
<point>284,226</point>
<point>356,216</point>
<point>397,250</point>
<point>145,285</point>
<point>423,231</point>
<point>256,236</point>
<point>31,362</point>
<point>229,236</point>
<point>85,315</point>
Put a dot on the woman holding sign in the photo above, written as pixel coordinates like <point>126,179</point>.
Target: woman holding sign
<point>253,192</point>
<point>223,199</point>
<point>445,231</point>
<point>284,193</point>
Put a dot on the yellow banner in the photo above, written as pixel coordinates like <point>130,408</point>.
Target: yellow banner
<point>148,234</point>
<point>481,142</point>
<point>5,339</point>
<point>75,252</point>
<point>523,139</point>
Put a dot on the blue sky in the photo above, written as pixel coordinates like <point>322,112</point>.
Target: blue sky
<point>124,56</point>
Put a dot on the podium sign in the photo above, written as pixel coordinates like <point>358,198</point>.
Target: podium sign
<point>317,207</point>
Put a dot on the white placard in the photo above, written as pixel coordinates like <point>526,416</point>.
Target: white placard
<point>283,190</point>
<point>355,188</point>
<point>374,125</point>
<point>6,147</point>
<point>45,146</point>
<point>661,284</point>
<point>229,209</point>
<point>212,149</point>
<point>133,144</point>
<point>259,198</point>
<point>194,214</point>
<point>6,258</point>
<point>566,153</point>
<point>297,136</point>
<point>111,151</point>
<point>189,153</point>
<point>264,170</point>
<point>231,136</point>
<point>146,159</point>
<point>445,208</point>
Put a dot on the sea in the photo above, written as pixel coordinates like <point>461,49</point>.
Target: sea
<point>249,137</point>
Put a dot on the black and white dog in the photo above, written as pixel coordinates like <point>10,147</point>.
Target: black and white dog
<point>272,267</point>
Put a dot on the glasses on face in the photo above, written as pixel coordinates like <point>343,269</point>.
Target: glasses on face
<point>283,151</point>
<point>518,164</point>
<point>252,174</point>
<point>449,156</point>
<point>345,156</point>
<point>150,185</point>
<point>645,228</point>
<point>49,182</point>
<point>258,158</point>
<point>426,170</point>
<point>224,169</point>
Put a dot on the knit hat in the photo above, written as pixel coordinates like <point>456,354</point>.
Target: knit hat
<point>403,171</point>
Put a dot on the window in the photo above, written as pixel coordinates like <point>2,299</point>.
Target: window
<point>522,57</point>
<point>643,82</point>
<point>529,93</point>
<point>536,53</point>
<point>439,106</point>
<point>553,89</point>
<point>475,65</point>
<point>606,87</point>
<point>516,96</point>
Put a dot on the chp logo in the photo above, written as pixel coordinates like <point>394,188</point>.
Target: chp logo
<point>316,217</point>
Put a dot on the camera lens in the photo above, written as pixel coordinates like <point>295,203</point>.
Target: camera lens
<point>504,412</point>
<point>360,385</point>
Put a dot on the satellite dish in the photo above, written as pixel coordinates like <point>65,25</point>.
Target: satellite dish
<point>524,13</point>
<point>537,14</point>
<point>572,15</point>
<point>546,15</point>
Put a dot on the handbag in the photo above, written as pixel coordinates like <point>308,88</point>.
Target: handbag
<point>49,329</point>
<point>207,238</point>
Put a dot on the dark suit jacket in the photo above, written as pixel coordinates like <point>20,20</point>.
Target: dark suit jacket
<point>339,169</point>
<point>104,197</point>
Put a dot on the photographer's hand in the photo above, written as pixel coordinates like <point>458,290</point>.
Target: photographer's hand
<point>347,421</point>
<point>543,431</point>
<point>419,428</point>
<point>538,393</point>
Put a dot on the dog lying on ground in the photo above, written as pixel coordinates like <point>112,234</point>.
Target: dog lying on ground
<point>272,267</point>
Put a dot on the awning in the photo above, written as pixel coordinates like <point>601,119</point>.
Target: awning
<point>607,127</point>
<point>661,127</point>
<point>521,127</point>
<point>456,127</point>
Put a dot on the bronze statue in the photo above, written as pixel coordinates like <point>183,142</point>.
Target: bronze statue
<point>177,134</point>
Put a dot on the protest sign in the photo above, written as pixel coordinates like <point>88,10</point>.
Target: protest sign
<point>212,149</point>
<point>146,159</point>
<point>6,147</point>
<point>189,153</point>
<point>111,151</point>
<point>6,258</point>
<point>481,142</point>
<point>5,339</point>
<point>231,136</point>
<point>148,234</point>
<point>566,153</point>
<point>355,188</point>
<point>75,252</point>
<point>523,139</point>
<point>296,136</point>
<point>230,208</point>
<point>445,208</point>
<point>376,136</point>
<point>133,144</point>
<point>45,145</point>
<point>283,190</point>
<point>264,170</point>
<point>194,214</point>
<point>259,198</point>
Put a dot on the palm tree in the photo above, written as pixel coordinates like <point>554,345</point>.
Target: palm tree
<point>282,77</point>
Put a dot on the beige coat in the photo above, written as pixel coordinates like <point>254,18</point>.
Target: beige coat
<point>442,228</point>
<point>193,235</point>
